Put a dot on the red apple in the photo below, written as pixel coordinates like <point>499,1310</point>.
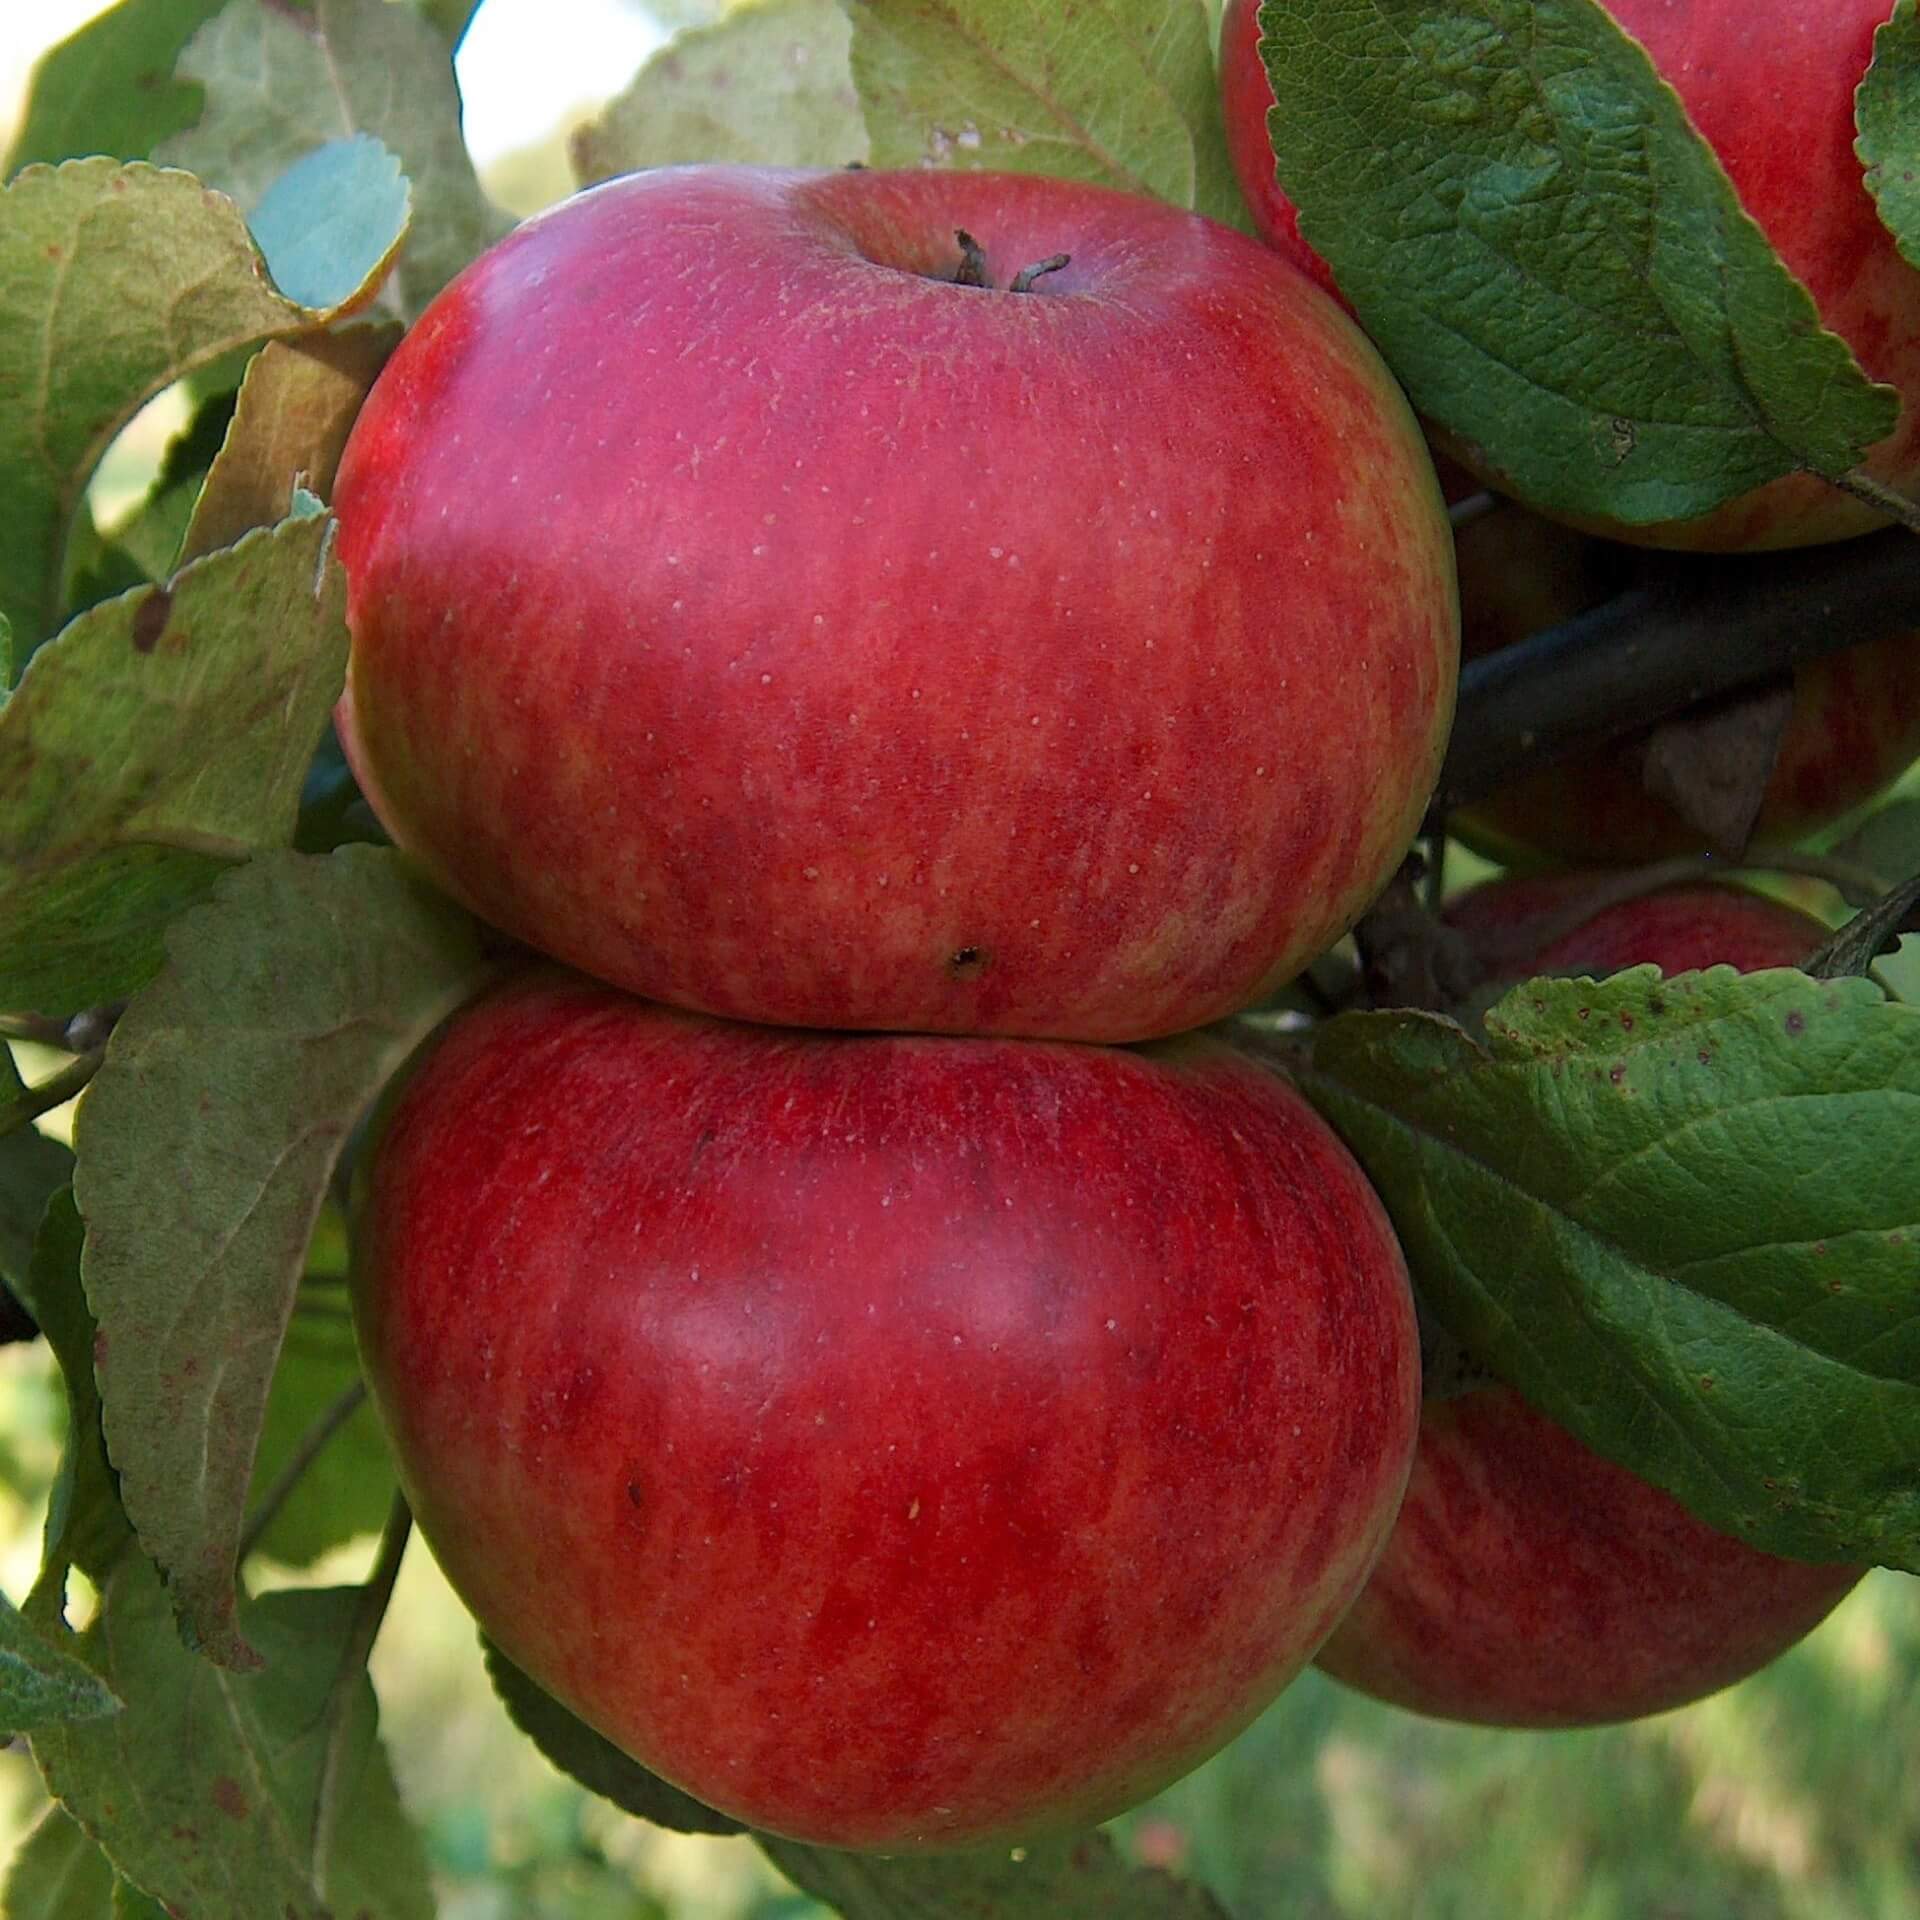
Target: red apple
<point>749,614</point>
<point>1528,1581</point>
<point>896,1442</point>
<point>1770,85</point>
<point>1854,727</point>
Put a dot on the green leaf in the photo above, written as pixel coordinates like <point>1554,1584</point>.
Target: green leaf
<point>1550,257</point>
<point>59,1874</point>
<point>161,737</point>
<point>1083,1879</point>
<point>39,1685</point>
<point>129,1903</point>
<point>348,1487</point>
<point>1887,842</point>
<point>333,222</point>
<point>109,88</point>
<point>767,86</point>
<point>1120,93</point>
<point>207,1790</point>
<point>596,1763</point>
<point>86,1524</point>
<point>1681,1217</point>
<point>281,83</point>
<point>1887,110</point>
<point>184,283</point>
<point>33,1169</point>
<point>206,1144</point>
<point>296,406</point>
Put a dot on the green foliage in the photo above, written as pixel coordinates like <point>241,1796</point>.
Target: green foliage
<point>1889,141</point>
<point>280,84</point>
<point>163,736</point>
<point>1551,259</point>
<point>1084,1879</point>
<point>59,1874</point>
<point>86,1524</point>
<point>597,1764</point>
<point>111,88</point>
<point>183,280</point>
<point>769,85</point>
<point>230,1795</point>
<point>205,1150</point>
<point>1595,1204</point>
<point>41,1686</point>
<point>1117,92</point>
<point>347,1488</point>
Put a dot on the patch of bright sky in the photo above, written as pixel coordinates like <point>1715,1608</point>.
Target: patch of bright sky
<point>523,65</point>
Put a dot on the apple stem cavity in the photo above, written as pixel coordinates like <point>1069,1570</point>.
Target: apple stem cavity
<point>972,271</point>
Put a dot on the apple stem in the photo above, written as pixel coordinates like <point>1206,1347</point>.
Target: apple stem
<point>972,271</point>
<point>1883,499</point>
<point>1024,279</point>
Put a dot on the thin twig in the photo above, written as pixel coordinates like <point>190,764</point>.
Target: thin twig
<point>54,1091</point>
<point>1694,627</point>
<point>336,1714</point>
<point>302,1457</point>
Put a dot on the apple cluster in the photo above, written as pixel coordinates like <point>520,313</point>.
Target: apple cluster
<point>904,652</point>
<point>885,635</point>
<point>1528,1581</point>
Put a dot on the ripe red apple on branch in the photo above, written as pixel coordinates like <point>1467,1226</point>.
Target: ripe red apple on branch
<point>948,602</point>
<point>895,1442</point>
<point>1528,1581</point>
<point>1770,86</point>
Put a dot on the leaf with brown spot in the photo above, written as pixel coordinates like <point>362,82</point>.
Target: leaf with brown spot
<point>1635,1184</point>
<point>161,737</point>
<point>176,268</point>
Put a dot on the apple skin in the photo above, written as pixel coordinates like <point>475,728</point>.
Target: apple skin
<point>1529,1582</point>
<point>1854,728</point>
<point>896,1442</point>
<point>750,616</point>
<point>1770,86</point>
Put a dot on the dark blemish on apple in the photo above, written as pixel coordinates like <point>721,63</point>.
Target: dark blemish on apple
<point>1584,1012</point>
<point>1706,1383</point>
<point>635,1496</point>
<point>1626,1021</point>
<point>968,963</point>
<point>1655,1006</point>
<point>150,620</point>
<point>1706,1057</point>
<point>1618,1074</point>
<point>1796,1022</point>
